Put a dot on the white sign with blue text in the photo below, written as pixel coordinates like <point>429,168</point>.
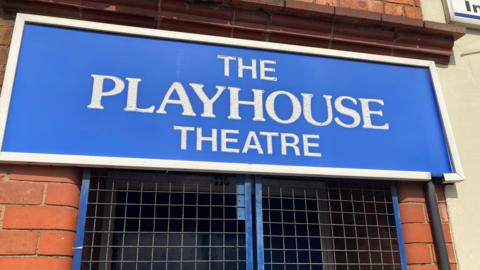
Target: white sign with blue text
<point>464,11</point>
<point>93,94</point>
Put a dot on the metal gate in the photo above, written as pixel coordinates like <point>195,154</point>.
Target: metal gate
<point>146,221</point>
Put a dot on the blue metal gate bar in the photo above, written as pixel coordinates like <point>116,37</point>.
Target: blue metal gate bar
<point>396,211</point>
<point>248,222</point>
<point>259,222</point>
<point>240,198</point>
<point>82,216</point>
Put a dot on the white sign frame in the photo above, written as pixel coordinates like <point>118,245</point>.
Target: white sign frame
<point>449,8</point>
<point>138,163</point>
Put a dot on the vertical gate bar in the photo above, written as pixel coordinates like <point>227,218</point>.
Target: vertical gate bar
<point>82,216</point>
<point>259,222</point>
<point>398,224</point>
<point>240,197</point>
<point>248,222</point>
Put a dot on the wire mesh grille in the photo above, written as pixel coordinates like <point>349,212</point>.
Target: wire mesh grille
<point>147,221</point>
<point>162,221</point>
<point>328,226</point>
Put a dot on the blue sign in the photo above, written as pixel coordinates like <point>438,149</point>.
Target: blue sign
<point>80,92</point>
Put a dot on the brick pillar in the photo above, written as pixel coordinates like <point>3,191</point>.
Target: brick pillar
<point>38,216</point>
<point>417,232</point>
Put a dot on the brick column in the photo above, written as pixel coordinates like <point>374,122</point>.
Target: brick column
<point>38,216</point>
<point>418,237</point>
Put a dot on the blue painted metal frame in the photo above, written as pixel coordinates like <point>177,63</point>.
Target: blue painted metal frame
<point>398,224</point>
<point>248,222</point>
<point>240,198</point>
<point>259,222</point>
<point>82,216</point>
<point>244,201</point>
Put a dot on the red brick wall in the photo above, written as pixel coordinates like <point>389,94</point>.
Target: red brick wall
<point>351,25</point>
<point>416,227</point>
<point>6,28</point>
<point>407,8</point>
<point>38,216</point>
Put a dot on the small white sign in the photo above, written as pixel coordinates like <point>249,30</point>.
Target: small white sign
<point>464,11</point>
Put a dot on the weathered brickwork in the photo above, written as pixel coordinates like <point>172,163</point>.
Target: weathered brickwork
<point>6,29</point>
<point>416,227</point>
<point>387,27</point>
<point>407,8</point>
<point>38,216</point>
